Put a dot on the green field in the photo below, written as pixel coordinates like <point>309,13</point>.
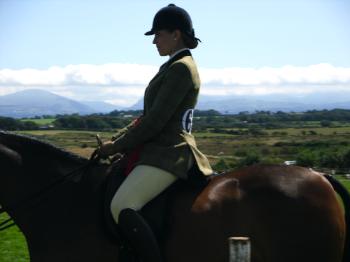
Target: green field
<point>41,121</point>
<point>345,182</point>
<point>225,151</point>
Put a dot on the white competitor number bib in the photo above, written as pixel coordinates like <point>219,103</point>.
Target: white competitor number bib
<point>187,120</point>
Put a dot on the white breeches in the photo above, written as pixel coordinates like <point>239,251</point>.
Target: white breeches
<point>142,185</point>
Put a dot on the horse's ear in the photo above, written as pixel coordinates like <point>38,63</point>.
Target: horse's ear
<point>11,155</point>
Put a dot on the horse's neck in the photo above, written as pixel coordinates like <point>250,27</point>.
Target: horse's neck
<point>63,221</point>
<point>71,220</point>
<point>27,169</point>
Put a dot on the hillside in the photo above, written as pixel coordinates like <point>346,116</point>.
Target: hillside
<point>36,102</point>
<point>234,104</point>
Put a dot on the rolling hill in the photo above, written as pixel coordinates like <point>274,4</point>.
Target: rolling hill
<point>36,102</point>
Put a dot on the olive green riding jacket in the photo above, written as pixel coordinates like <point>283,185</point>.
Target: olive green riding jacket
<point>164,129</point>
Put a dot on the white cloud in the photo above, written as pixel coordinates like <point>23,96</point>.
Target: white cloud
<point>311,75</point>
<point>124,84</point>
<point>102,75</point>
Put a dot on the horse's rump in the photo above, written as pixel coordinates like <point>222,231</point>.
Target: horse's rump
<point>281,208</point>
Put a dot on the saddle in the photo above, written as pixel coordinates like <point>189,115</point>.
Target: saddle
<point>156,211</point>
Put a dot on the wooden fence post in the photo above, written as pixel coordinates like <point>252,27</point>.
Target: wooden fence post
<point>239,248</point>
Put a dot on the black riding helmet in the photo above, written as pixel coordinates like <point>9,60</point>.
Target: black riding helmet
<point>173,17</point>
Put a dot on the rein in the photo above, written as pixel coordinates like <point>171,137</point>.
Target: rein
<point>79,170</point>
<point>6,224</point>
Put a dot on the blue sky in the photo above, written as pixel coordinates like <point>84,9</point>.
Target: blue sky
<point>52,39</point>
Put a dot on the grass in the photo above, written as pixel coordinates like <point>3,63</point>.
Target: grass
<point>345,182</point>
<point>318,130</point>
<point>13,247</point>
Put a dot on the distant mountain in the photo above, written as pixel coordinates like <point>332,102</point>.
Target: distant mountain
<point>273,103</point>
<point>101,107</point>
<point>288,103</point>
<point>36,102</point>
<point>137,106</point>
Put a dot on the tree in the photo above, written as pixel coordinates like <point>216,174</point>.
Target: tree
<point>29,125</point>
<point>73,121</point>
<point>346,159</point>
<point>96,123</point>
<point>251,159</point>
<point>326,123</point>
<point>331,159</point>
<point>221,165</point>
<point>306,159</point>
<point>8,123</point>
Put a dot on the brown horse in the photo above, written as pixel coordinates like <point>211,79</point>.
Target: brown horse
<point>290,213</point>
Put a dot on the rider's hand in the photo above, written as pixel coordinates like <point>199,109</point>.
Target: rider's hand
<point>107,149</point>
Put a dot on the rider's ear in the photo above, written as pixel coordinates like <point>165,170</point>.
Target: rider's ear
<point>177,34</point>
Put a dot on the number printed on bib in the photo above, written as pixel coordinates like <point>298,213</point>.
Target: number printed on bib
<point>187,120</point>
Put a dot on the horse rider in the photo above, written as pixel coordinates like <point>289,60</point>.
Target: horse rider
<point>159,144</point>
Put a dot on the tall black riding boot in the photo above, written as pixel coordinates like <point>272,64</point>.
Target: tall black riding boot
<point>139,235</point>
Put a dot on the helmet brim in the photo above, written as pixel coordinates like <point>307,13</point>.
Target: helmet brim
<point>151,32</point>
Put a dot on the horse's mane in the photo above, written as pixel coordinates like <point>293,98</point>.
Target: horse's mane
<point>31,141</point>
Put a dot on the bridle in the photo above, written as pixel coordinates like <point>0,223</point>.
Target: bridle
<point>20,206</point>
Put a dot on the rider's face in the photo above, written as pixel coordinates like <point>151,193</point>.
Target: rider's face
<point>166,42</point>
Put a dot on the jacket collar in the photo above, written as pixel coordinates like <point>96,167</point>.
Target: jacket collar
<point>178,52</point>
<point>176,57</point>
